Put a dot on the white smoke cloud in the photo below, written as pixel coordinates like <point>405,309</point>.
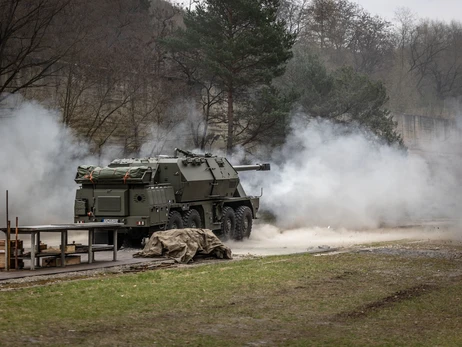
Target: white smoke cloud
<point>324,176</point>
<point>174,131</point>
<point>321,177</point>
<point>39,157</point>
<point>38,161</point>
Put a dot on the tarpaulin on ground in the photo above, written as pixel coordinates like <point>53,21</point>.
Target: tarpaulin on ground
<point>183,245</point>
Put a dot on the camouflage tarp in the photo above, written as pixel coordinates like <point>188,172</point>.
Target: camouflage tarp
<point>94,172</point>
<point>182,245</point>
<point>83,170</point>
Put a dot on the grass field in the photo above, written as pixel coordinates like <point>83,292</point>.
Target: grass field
<point>348,299</point>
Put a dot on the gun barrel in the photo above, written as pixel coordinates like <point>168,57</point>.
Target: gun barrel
<point>256,167</point>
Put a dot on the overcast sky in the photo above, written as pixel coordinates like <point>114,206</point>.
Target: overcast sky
<point>434,9</point>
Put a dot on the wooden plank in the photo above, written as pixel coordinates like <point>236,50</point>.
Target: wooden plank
<point>67,249</point>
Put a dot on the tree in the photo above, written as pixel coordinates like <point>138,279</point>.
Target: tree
<point>263,117</point>
<point>202,88</point>
<point>344,33</point>
<point>330,23</point>
<point>293,13</point>
<point>112,84</point>
<point>27,54</point>
<point>372,44</point>
<point>400,83</point>
<point>240,44</point>
<point>342,96</point>
<point>360,100</point>
<point>436,58</point>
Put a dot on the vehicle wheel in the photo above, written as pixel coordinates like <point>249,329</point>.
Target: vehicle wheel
<point>243,221</point>
<point>192,219</point>
<point>174,220</point>
<point>228,224</point>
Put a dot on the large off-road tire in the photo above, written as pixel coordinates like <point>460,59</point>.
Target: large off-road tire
<point>243,221</point>
<point>228,224</point>
<point>174,220</point>
<point>192,219</point>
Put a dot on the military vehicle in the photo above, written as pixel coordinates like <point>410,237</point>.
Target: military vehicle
<point>186,190</point>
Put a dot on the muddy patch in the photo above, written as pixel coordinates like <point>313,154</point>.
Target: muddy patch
<point>388,301</point>
<point>437,253</point>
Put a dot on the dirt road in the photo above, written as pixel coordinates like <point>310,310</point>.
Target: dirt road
<point>269,240</point>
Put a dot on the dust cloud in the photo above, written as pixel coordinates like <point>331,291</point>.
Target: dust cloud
<point>332,184</point>
<point>267,239</point>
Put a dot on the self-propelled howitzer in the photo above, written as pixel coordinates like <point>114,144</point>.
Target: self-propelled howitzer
<point>186,190</point>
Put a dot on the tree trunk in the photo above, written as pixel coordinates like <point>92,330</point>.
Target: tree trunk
<point>230,139</point>
<point>205,130</point>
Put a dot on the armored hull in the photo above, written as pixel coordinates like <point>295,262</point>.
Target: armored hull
<point>185,190</point>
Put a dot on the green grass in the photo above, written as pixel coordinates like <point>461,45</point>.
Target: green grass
<point>298,300</point>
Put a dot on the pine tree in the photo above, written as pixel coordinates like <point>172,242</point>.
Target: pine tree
<point>239,44</point>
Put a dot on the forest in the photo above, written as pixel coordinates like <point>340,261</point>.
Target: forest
<point>144,76</point>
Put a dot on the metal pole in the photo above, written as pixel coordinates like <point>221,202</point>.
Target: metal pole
<point>16,263</point>
<point>7,248</point>
<point>7,244</point>
<point>90,245</point>
<point>63,248</point>
<point>114,254</point>
<point>32,250</point>
<point>7,207</point>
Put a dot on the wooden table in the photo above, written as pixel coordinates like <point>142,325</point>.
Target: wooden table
<point>35,230</point>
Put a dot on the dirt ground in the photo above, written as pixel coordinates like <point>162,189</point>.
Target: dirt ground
<point>389,286</point>
<point>434,239</point>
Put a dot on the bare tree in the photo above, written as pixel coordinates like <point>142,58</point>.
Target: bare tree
<point>293,13</point>
<point>400,83</point>
<point>372,43</point>
<point>436,58</point>
<point>330,23</point>
<point>154,89</point>
<point>344,33</point>
<point>404,28</point>
<point>27,54</point>
<point>112,81</point>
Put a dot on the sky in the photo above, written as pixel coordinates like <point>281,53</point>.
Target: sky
<point>445,10</point>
